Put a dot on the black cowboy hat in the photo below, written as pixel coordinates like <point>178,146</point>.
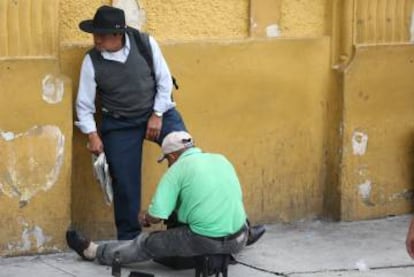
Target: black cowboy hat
<point>107,20</point>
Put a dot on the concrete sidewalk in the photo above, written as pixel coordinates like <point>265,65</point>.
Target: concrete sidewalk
<point>303,249</point>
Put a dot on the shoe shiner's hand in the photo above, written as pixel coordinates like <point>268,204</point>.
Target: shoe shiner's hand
<point>144,219</point>
<point>409,243</point>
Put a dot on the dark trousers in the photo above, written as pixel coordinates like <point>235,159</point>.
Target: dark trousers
<point>123,139</point>
<point>174,242</point>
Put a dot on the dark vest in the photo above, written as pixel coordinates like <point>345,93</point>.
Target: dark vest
<point>126,89</point>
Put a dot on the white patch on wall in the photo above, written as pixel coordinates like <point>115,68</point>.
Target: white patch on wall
<point>134,15</point>
<point>406,194</point>
<point>365,189</point>
<point>363,170</point>
<point>7,136</point>
<point>32,237</point>
<point>53,88</point>
<point>30,162</point>
<point>359,143</point>
<point>36,234</point>
<point>253,23</point>
<point>412,27</point>
<point>272,31</point>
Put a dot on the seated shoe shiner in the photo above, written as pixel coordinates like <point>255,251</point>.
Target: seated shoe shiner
<point>204,191</point>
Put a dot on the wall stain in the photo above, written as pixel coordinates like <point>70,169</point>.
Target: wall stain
<point>32,237</point>
<point>53,89</point>
<point>31,162</point>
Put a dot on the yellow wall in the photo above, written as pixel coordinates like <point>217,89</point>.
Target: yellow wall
<point>28,28</point>
<point>196,19</point>
<point>35,130</point>
<point>303,18</point>
<point>374,64</point>
<point>378,131</point>
<point>243,100</point>
<point>383,21</point>
<point>315,115</point>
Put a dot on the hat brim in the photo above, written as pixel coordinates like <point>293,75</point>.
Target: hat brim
<point>87,26</point>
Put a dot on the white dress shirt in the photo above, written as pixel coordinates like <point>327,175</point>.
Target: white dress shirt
<point>85,101</point>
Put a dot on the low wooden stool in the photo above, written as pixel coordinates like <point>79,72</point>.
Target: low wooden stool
<point>208,265</point>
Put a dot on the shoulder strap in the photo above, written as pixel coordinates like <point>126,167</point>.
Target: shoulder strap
<point>144,47</point>
<point>142,42</point>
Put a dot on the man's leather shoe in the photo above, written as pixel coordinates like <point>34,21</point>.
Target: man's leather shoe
<point>255,233</point>
<point>77,242</point>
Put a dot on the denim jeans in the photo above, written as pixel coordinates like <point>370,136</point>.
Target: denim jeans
<point>174,242</point>
<point>123,139</point>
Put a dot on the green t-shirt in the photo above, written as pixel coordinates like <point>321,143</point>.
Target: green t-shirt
<point>204,190</point>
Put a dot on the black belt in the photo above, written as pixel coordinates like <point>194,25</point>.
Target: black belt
<point>232,236</point>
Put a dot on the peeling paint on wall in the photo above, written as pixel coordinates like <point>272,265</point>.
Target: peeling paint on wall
<point>363,170</point>
<point>365,193</point>
<point>359,143</point>
<point>31,161</point>
<point>412,27</point>
<point>406,194</point>
<point>365,190</point>
<point>134,16</point>
<point>7,136</point>
<point>253,23</point>
<point>53,89</point>
<point>35,233</point>
<point>272,31</point>
<point>32,237</point>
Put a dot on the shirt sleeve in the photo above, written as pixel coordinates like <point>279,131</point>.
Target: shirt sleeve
<point>162,101</point>
<point>85,101</point>
<point>165,198</point>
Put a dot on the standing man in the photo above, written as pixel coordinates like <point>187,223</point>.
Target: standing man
<point>205,192</point>
<point>136,105</point>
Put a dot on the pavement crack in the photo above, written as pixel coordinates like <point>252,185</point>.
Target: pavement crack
<point>321,271</point>
<point>349,269</point>
<point>263,270</point>
<point>57,268</point>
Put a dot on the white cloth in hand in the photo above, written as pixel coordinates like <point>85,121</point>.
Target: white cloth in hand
<point>101,172</point>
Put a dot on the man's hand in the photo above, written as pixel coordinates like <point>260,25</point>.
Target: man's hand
<point>409,243</point>
<point>153,128</point>
<point>95,144</point>
<point>144,219</point>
